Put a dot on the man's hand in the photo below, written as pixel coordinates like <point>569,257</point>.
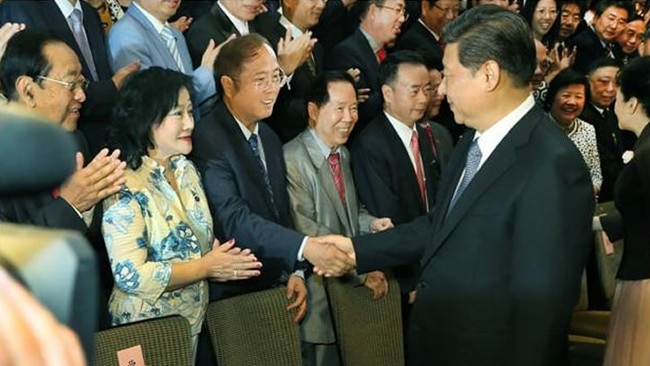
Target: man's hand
<point>123,73</point>
<point>296,289</point>
<point>381,224</point>
<point>377,282</point>
<point>98,180</point>
<point>182,23</point>
<point>6,32</point>
<point>212,51</point>
<point>331,255</point>
<point>294,52</point>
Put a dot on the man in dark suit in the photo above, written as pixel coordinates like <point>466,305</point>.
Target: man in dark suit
<point>365,49</point>
<point>392,159</point>
<point>599,39</point>
<point>243,171</point>
<point>55,17</point>
<point>226,17</point>
<point>503,252</point>
<point>424,35</point>
<point>289,116</point>
<point>56,94</point>
<point>599,112</point>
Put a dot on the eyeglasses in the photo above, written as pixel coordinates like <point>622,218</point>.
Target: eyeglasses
<point>81,83</point>
<point>399,11</point>
<point>452,11</point>
<point>279,78</point>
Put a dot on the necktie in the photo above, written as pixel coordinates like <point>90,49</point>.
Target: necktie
<point>79,33</point>
<point>335,164</point>
<point>254,144</point>
<point>609,49</point>
<point>419,174</point>
<point>432,140</point>
<point>471,167</point>
<point>311,63</point>
<point>170,40</point>
<point>381,54</point>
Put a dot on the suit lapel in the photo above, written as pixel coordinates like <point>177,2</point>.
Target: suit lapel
<point>350,193</point>
<point>322,168</point>
<point>243,150</point>
<point>501,159</point>
<point>401,156</point>
<point>148,28</point>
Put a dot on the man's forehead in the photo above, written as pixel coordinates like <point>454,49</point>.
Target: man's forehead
<point>62,59</point>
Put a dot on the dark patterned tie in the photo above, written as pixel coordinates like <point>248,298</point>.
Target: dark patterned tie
<point>471,167</point>
<point>334,159</point>
<point>254,143</point>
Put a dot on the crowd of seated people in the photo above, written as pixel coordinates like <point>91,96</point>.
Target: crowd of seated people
<point>219,140</point>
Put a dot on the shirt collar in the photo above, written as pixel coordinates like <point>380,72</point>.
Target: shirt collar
<point>247,133</point>
<point>286,23</point>
<point>435,35</point>
<point>324,149</point>
<point>490,138</point>
<point>374,45</point>
<point>403,131</point>
<point>240,25</point>
<point>157,24</point>
<point>67,8</point>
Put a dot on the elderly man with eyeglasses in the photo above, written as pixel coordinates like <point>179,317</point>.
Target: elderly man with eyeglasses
<point>41,77</point>
<point>365,49</point>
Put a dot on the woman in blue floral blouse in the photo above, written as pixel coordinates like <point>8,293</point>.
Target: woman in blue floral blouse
<point>158,228</point>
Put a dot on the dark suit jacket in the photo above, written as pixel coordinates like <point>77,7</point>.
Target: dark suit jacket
<point>632,198</point>
<point>610,147</point>
<point>355,51</point>
<point>589,49</point>
<point>289,116</point>
<point>418,38</point>
<point>45,16</point>
<point>501,272</point>
<point>239,202</point>
<point>214,25</point>
<point>387,184</point>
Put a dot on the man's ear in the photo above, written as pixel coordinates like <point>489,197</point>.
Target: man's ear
<point>492,74</point>
<point>312,111</point>
<point>228,85</point>
<point>25,89</point>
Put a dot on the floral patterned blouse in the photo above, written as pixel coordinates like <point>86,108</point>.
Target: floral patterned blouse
<point>148,226</point>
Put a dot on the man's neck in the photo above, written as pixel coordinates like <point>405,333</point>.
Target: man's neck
<point>372,33</point>
<point>250,125</point>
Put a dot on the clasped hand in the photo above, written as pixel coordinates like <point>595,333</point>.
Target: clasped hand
<point>225,262</point>
<point>331,255</point>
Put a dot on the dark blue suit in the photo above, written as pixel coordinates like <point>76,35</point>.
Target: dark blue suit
<point>239,202</point>
<point>501,272</point>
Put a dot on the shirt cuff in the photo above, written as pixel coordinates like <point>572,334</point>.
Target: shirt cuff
<point>302,247</point>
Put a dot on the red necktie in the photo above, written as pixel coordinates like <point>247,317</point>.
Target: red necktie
<point>335,164</point>
<point>429,131</point>
<point>381,54</point>
<point>415,148</point>
<point>56,193</point>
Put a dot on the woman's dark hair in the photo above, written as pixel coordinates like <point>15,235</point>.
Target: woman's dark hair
<point>564,79</point>
<point>143,102</point>
<point>634,82</point>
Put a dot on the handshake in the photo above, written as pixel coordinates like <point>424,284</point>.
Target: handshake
<point>331,255</point>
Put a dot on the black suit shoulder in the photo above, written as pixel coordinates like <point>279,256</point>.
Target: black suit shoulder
<point>214,25</point>
<point>418,38</point>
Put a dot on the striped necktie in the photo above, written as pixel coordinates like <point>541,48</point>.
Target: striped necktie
<point>170,40</point>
